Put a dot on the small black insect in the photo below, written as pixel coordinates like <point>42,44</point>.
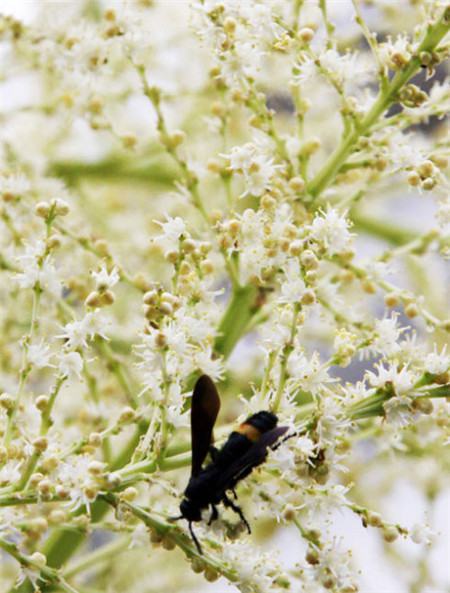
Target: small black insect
<point>245,449</point>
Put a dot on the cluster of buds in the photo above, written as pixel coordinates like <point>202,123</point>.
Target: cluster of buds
<point>425,175</point>
<point>199,566</point>
<point>191,261</point>
<point>105,280</point>
<point>389,532</point>
<point>159,304</point>
<point>429,60</point>
<point>412,96</point>
<point>50,210</point>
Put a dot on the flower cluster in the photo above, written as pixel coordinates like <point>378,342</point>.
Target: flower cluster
<point>255,191</point>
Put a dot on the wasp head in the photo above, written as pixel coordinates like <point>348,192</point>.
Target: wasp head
<point>190,510</point>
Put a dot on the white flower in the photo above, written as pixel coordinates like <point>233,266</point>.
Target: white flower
<point>16,184</point>
<point>305,447</point>
<point>10,472</point>
<point>435,363</point>
<point>104,279</point>
<point>173,230</point>
<point>70,365</point>
<point>77,333</point>
<point>177,418</point>
<point>331,229</point>
<point>387,334</point>
<point>293,288</point>
<point>203,360</point>
<point>257,167</point>
<point>39,355</point>
<point>422,534</point>
<point>308,373</point>
<point>37,271</point>
<point>398,410</point>
<point>401,380</point>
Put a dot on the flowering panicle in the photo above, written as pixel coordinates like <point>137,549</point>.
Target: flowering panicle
<point>255,191</point>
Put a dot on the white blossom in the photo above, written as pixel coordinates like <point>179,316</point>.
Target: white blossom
<point>70,365</point>
<point>104,279</point>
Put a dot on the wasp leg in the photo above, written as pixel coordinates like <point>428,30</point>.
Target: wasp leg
<point>234,493</point>
<point>213,452</point>
<point>214,514</point>
<point>229,503</point>
<point>194,539</point>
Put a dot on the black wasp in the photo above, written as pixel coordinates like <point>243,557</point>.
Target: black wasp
<point>245,449</point>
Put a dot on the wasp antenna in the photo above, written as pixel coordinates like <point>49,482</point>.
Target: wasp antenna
<point>194,539</point>
<point>177,518</point>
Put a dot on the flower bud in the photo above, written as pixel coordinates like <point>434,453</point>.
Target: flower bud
<point>155,537</point>
<point>7,401</point>
<point>309,260</point>
<point>413,179</point>
<point>62,491</point>
<point>166,308</point>
<point>428,184</point>
<point>54,241</point>
<point>423,405</point>
<point>289,512</point>
<point>39,524</point>
<point>95,439</point>
<point>102,247</point>
<point>297,184</point>
<point>151,297</point>
<point>42,209</point>
<point>390,533</point>
<point>107,298</point>
<point>211,575</point>
<point>374,519</point>
<point>129,494</point>
<point>61,207</point>
<point>96,468</point>
<point>308,297</point>
<point>305,34</point>
<point>312,556</point>
<point>127,415</point>
<point>411,310</point>
<point>38,559</point>
<point>44,486</point>
<point>40,444</point>
<point>391,299</point>
<point>36,478</point>
<point>197,565</point>
<point>168,543</point>
<point>93,300</point>
<point>57,516</point>
<point>368,286</point>
<point>207,267</point>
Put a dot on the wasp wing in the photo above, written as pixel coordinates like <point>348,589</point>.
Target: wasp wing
<point>256,455</point>
<point>205,406</point>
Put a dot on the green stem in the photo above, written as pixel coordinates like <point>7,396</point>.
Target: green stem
<point>241,308</point>
<point>25,366</point>
<point>287,349</point>
<point>105,553</point>
<point>386,97</point>
<point>382,229</point>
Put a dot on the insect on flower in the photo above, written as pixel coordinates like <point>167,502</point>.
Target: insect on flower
<point>245,449</point>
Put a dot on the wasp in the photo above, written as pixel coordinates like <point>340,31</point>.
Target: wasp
<point>245,449</point>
